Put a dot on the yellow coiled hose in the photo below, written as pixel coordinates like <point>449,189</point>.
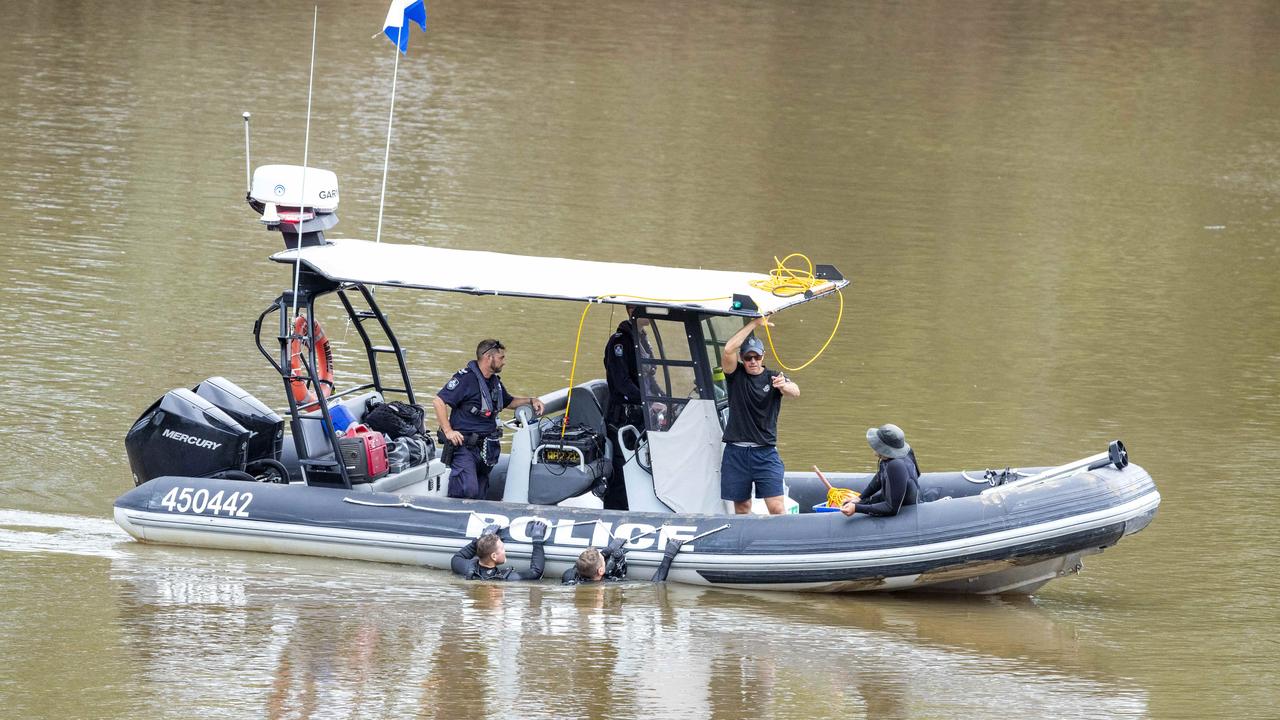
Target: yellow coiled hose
<point>786,281</point>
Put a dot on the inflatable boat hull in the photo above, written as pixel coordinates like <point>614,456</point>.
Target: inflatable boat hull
<point>1004,540</point>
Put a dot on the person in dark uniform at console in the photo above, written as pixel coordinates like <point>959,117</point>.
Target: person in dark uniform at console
<point>610,564</point>
<point>896,480</point>
<point>482,558</point>
<point>469,431</point>
<point>626,402</point>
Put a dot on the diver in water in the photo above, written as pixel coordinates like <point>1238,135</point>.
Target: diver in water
<point>610,564</point>
<point>482,558</point>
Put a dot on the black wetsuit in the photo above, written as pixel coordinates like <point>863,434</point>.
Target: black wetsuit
<point>466,564</point>
<point>894,486</point>
<point>615,568</point>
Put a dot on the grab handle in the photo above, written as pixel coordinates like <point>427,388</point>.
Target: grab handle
<point>1116,455</point>
<point>582,459</point>
<point>622,445</point>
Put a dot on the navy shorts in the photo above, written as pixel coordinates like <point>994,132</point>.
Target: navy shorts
<point>742,466</point>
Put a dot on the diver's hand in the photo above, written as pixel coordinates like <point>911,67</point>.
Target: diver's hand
<point>492,529</point>
<point>849,508</point>
<point>537,531</point>
<point>673,548</point>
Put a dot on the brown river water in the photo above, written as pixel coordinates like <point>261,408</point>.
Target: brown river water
<point>1061,225</point>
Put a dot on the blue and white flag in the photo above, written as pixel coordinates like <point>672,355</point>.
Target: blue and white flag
<point>403,12</point>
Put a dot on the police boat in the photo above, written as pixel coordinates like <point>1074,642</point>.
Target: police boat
<point>215,467</point>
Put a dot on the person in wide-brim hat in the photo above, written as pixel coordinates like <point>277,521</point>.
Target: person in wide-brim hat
<point>888,441</point>
<point>895,484</point>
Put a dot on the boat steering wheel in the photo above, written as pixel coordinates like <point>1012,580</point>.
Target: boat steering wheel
<point>524,417</point>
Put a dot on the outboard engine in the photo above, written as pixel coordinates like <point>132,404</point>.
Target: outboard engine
<point>184,434</point>
<point>266,428</point>
<point>298,201</point>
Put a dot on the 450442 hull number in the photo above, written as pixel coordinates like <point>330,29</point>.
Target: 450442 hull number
<point>201,501</point>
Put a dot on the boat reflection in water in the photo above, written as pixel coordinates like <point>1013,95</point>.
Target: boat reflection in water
<point>301,637</point>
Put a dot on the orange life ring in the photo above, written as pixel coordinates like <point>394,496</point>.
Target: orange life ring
<point>302,392</point>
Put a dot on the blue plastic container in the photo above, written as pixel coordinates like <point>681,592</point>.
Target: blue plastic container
<point>822,507</point>
<point>341,418</point>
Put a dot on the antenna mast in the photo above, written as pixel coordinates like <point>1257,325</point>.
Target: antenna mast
<point>386,155</point>
<point>306,146</point>
<point>248,182</point>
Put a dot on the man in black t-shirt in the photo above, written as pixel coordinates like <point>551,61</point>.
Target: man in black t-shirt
<point>751,435</point>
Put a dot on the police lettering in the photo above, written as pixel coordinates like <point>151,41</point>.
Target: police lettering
<point>572,533</point>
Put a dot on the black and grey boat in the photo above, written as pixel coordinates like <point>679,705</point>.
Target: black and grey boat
<point>215,467</point>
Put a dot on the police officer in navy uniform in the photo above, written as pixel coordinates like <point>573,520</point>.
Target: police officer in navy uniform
<point>626,403</point>
<point>469,434</point>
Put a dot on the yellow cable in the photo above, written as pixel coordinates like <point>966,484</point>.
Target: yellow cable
<point>807,363</point>
<point>785,282</point>
<point>577,344</point>
<point>564,424</point>
<point>837,496</point>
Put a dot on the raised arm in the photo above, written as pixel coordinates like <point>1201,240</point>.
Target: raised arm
<point>537,532</point>
<point>535,402</point>
<point>729,356</point>
<point>668,556</point>
<point>463,558</point>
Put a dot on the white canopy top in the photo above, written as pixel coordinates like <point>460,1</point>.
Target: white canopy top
<point>489,273</point>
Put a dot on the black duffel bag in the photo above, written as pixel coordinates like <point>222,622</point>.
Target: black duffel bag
<point>396,419</point>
